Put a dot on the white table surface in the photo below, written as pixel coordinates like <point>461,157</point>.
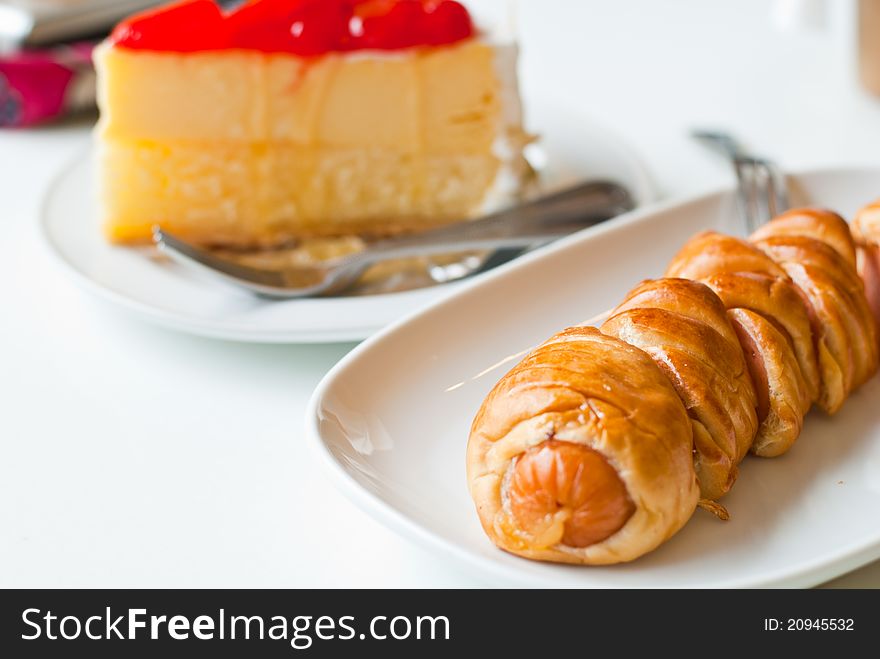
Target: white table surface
<point>134,456</point>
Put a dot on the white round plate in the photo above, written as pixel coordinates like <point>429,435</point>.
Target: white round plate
<point>175,297</point>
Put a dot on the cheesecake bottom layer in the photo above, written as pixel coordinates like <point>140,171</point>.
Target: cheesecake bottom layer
<point>260,195</point>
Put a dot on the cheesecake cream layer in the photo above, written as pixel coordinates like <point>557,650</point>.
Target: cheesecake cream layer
<point>247,148</point>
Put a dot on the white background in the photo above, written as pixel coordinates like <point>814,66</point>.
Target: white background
<point>134,456</point>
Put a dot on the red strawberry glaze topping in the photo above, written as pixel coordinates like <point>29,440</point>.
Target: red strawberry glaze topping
<point>299,27</point>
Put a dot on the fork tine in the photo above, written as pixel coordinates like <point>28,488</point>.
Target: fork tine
<point>747,192</point>
<point>761,186</point>
<point>775,194</point>
<point>183,252</point>
<point>771,192</point>
<point>764,197</point>
<point>779,192</point>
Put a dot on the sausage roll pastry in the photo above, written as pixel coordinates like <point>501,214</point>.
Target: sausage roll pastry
<point>782,304</point>
<point>824,225</point>
<point>710,253</point>
<point>676,295</point>
<point>598,446</point>
<point>683,326</point>
<point>865,227</point>
<point>866,232</point>
<point>835,310</point>
<point>822,241</point>
<point>747,279</point>
<point>783,395</point>
<point>582,453</point>
<point>773,327</point>
<point>844,323</point>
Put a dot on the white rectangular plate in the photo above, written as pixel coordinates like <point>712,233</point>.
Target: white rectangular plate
<point>391,420</point>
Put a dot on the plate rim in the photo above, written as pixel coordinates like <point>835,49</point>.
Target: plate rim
<point>168,320</point>
<point>648,193</point>
<point>808,574</point>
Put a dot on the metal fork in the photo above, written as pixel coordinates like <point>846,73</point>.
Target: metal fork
<point>761,186</point>
<point>532,223</point>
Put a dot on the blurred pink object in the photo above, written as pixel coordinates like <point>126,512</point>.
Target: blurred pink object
<point>37,86</point>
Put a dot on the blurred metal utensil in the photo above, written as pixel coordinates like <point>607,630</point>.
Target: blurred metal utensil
<point>535,222</point>
<point>40,23</point>
<point>761,186</point>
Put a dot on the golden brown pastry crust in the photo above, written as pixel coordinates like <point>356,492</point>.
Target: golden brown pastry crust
<point>675,321</point>
<point>775,371</point>
<point>817,248</point>
<point>865,227</point>
<point>778,301</point>
<point>710,253</point>
<point>833,351</point>
<point>817,223</point>
<point>590,389</point>
<point>808,258</point>
<point>680,296</point>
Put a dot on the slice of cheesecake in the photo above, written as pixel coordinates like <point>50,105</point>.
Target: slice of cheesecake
<point>298,118</point>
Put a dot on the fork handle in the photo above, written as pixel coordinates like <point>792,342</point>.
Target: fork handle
<point>541,220</point>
